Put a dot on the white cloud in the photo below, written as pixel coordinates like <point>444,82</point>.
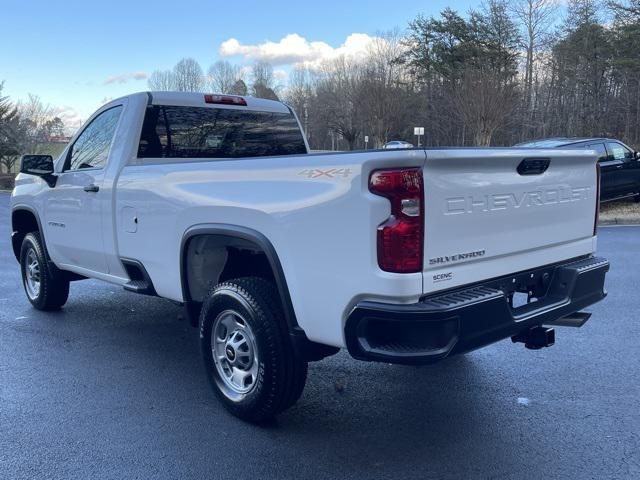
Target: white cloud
<point>125,77</point>
<point>294,49</point>
<point>71,118</point>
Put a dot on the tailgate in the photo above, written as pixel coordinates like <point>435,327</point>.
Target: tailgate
<point>493,212</point>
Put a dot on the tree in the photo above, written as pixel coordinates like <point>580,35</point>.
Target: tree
<point>55,127</point>
<point>580,13</point>
<point>223,76</point>
<point>340,92</point>
<point>161,80</point>
<point>626,10</point>
<point>387,103</point>
<point>474,62</point>
<point>625,111</point>
<point>35,125</point>
<point>299,95</point>
<point>536,17</point>
<point>26,127</point>
<point>582,62</point>
<point>9,120</point>
<point>188,76</point>
<point>484,101</point>
<point>264,84</point>
<point>239,88</point>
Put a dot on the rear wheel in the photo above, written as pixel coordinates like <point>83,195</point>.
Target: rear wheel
<point>248,356</point>
<point>45,287</point>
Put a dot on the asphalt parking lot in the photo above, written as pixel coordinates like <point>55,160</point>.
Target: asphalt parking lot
<point>112,387</point>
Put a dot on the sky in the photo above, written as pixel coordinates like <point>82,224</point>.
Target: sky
<point>76,55</point>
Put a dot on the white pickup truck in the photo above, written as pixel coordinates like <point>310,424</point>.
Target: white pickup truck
<point>282,257</point>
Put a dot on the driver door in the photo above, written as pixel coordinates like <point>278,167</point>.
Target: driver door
<point>74,206</point>
<point>626,165</point>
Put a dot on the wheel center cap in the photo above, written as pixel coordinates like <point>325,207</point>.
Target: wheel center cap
<point>230,352</point>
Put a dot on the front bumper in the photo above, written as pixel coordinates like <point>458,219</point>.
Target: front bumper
<point>445,324</point>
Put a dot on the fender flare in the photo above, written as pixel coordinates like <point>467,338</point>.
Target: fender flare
<point>249,235</point>
<point>33,211</point>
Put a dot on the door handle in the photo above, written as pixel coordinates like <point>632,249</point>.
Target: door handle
<point>91,188</point>
<point>618,166</point>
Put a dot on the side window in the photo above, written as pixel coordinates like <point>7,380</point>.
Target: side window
<point>598,147</point>
<point>619,152</point>
<point>91,148</point>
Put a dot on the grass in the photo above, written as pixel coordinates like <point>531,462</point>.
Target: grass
<point>624,211</point>
<point>6,181</point>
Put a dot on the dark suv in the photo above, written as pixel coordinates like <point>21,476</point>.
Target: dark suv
<point>619,164</point>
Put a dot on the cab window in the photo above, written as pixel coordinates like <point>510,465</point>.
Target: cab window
<point>91,148</point>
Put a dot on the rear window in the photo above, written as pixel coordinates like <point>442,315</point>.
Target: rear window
<point>201,132</point>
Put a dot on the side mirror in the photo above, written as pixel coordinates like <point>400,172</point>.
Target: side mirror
<point>39,165</point>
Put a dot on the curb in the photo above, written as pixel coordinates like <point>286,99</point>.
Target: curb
<point>620,223</point>
<point>634,220</point>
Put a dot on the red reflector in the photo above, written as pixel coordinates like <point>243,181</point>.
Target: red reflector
<point>225,99</point>
<point>401,236</point>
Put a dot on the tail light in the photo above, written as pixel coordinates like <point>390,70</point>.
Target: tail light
<point>595,222</point>
<point>401,236</point>
<point>225,100</point>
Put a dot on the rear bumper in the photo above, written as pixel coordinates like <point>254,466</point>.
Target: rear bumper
<point>465,319</point>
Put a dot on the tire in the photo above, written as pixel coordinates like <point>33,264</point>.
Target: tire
<point>44,286</point>
<point>257,373</point>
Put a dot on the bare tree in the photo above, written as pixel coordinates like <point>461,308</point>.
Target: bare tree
<point>262,73</point>
<point>340,91</point>
<point>484,102</point>
<point>299,95</point>
<point>386,102</point>
<point>536,18</point>
<point>27,127</point>
<point>35,126</point>
<point>222,77</point>
<point>161,80</point>
<point>239,88</point>
<point>188,76</point>
<point>264,82</point>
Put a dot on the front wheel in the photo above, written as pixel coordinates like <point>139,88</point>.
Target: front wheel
<point>45,287</point>
<point>248,356</point>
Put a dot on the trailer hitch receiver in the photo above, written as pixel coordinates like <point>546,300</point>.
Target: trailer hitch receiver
<point>536,338</point>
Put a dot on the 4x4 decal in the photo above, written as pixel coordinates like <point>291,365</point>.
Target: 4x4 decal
<point>329,173</point>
